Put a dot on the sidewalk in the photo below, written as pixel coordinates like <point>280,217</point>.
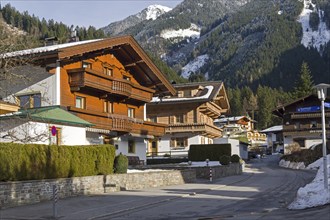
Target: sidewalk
<point>94,206</point>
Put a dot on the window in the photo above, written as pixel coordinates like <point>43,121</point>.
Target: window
<point>179,119</point>
<point>180,94</point>
<point>127,78</point>
<point>179,142</point>
<point>313,124</point>
<point>153,119</point>
<point>107,71</point>
<point>29,101</point>
<point>131,146</point>
<point>80,102</point>
<point>202,140</point>
<point>86,65</point>
<point>107,107</point>
<point>297,125</point>
<point>130,112</point>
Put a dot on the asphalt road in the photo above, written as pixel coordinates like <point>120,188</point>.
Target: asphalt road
<point>262,192</point>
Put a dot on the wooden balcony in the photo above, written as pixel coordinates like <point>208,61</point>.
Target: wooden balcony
<point>81,78</point>
<point>211,109</point>
<point>119,123</point>
<point>202,128</point>
<point>305,130</point>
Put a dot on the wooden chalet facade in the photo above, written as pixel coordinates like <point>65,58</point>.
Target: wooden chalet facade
<point>106,82</point>
<point>189,115</point>
<point>302,121</point>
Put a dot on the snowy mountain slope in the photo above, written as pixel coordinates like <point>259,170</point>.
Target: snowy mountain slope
<point>313,38</point>
<point>150,13</point>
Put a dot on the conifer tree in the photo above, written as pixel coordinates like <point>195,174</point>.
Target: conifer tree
<point>304,85</point>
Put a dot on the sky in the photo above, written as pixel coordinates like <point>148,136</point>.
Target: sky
<point>97,13</point>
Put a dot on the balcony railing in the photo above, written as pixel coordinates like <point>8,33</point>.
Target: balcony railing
<point>211,109</point>
<point>203,128</point>
<point>88,78</point>
<point>120,123</point>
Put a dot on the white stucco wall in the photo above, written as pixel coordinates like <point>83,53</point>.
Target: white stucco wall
<point>46,87</point>
<point>287,140</point>
<point>236,147</point>
<point>140,146</point>
<point>40,131</point>
<point>310,142</point>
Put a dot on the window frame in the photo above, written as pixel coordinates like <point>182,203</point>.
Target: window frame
<point>107,71</point>
<point>31,100</point>
<point>131,149</point>
<point>108,107</point>
<point>83,103</point>
<point>131,112</point>
<point>88,64</point>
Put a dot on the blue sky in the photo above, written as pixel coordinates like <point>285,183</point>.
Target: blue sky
<point>97,13</point>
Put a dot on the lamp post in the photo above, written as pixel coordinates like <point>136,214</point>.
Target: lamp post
<point>322,94</point>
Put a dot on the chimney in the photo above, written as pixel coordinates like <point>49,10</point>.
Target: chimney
<point>51,41</point>
<point>73,36</point>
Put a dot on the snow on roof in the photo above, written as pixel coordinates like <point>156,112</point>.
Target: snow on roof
<point>313,38</point>
<point>154,11</point>
<point>273,129</point>
<point>235,118</point>
<point>47,48</point>
<point>206,96</point>
<point>193,31</point>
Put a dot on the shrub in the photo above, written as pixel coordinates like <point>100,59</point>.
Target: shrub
<point>32,161</point>
<point>121,164</point>
<point>208,151</point>
<point>235,158</point>
<point>224,160</point>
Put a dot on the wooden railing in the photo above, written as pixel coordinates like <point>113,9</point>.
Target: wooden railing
<point>204,128</point>
<point>120,123</point>
<point>211,109</point>
<point>88,78</point>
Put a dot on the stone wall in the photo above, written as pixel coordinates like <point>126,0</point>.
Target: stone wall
<point>219,171</point>
<point>28,192</point>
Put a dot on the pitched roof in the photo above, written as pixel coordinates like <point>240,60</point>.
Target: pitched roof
<point>124,48</point>
<point>209,91</point>
<point>276,128</point>
<point>50,114</point>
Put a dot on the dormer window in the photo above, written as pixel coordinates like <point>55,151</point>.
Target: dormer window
<point>127,78</point>
<point>107,71</point>
<point>86,65</point>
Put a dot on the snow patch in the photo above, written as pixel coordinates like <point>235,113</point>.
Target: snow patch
<point>194,66</point>
<point>313,38</point>
<point>154,11</point>
<point>313,194</point>
<point>193,31</point>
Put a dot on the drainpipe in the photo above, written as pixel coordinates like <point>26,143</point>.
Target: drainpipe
<point>58,83</point>
<point>145,112</point>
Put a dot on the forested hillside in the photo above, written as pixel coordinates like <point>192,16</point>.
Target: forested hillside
<point>254,46</point>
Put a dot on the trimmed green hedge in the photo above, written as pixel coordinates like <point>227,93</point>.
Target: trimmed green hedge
<point>224,160</point>
<point>121,164</point>
<point>208,151</point>
<point>32,161</point>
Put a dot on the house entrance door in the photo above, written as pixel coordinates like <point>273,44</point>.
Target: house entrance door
<point>153,147</point>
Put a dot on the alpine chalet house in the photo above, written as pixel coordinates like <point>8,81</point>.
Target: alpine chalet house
<point>302,122</point>
<point>189,116</point>
<point>104,83</point>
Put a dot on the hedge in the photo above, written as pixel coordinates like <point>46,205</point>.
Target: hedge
<point>32,161</point>
<point>208,151</point>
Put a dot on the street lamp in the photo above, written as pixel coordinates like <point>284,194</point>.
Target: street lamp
<point>322,95</point>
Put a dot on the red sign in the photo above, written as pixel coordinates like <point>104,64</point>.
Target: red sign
<point>53,130</point>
